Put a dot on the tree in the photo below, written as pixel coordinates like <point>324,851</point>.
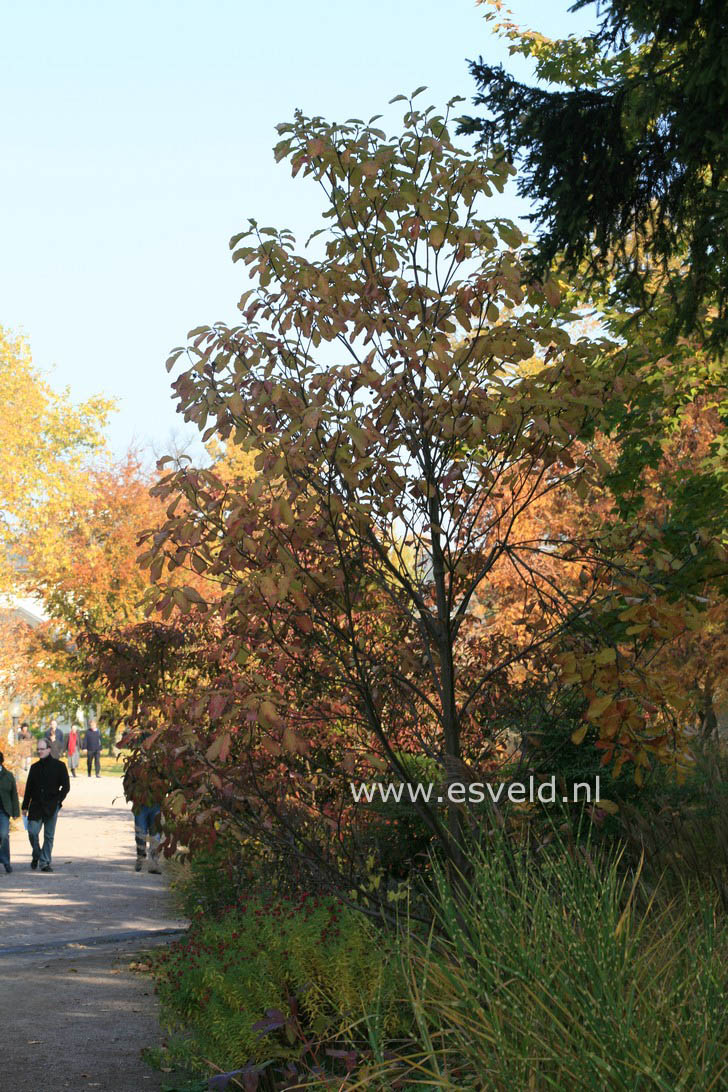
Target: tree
<point>411,396</point>
<point>46,443</point>
<point>16,675</point>
<point>675,505</point>
<point>84,569</point>
<point>623,158</point>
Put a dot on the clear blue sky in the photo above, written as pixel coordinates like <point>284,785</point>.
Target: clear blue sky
<point>137,139</point>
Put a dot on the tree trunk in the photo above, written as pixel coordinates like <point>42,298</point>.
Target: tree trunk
<point>709,718</point>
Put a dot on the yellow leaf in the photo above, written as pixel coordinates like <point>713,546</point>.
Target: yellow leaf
<point>218,748</point>
<point>291,741</point>
<point>437,237</point>
<point>606,656</point>
<point>267,713</point>
<point>598,706</point>
<point>552,294</point>
<point>608,805</point>
<point>577,737</point>
<point>390,260</point>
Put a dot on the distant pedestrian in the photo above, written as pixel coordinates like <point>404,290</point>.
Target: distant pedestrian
<point>73,749</point>
<point>9,809</point>
<point>92,746</point>
<point>25,744</point>
<point>55,739</point>
<point>45,790</point>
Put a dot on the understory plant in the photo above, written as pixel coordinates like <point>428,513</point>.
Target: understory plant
<point>272,978</point>
<point>544,971</point>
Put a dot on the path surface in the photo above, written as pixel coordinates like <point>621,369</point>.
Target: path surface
<point>72,1015</point>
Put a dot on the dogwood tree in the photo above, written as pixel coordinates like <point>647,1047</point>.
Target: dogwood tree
<point>409,396</point>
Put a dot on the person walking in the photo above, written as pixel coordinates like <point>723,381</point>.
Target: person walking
<point>25,744</point>
<point>9,809</point>
<point>92,746</point>
<point>55,739</point>
<point>47,787</point>
<point>73,749</point>
<point>147,823</point>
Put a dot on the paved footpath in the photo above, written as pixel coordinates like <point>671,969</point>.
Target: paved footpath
<point>72,1015</point>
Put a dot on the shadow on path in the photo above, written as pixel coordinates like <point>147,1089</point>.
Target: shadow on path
<point>73,1016</point>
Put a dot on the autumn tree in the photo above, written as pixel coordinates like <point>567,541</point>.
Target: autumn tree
<point>17,679</point>
<point>678,511</point>
<point>410,395</point>
<point>47,442</point>
<point>84,569</point>
<point>683,490</point>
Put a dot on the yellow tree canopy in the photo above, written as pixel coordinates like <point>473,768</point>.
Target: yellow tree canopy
<point>46,441</point>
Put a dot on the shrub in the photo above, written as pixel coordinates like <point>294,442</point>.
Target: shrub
<point>395,831</point>
<point>312,963</point>
<point>212,880</point>
<point>682,830</point>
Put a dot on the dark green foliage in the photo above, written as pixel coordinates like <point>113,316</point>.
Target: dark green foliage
<point>681,831</point>
<point>211,881</point>
<point>396,832</point>
<point>627,165</point>
<point>270,976</point>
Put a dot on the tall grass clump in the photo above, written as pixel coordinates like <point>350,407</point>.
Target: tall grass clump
<point>545,972</point>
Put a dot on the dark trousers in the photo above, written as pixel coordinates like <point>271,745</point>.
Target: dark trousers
<point>95,757</point>
<point>5,839</point>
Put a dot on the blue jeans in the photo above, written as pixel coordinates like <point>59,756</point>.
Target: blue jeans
<point>147,822</point>
<point>43,856</point>
<point>4,839</point>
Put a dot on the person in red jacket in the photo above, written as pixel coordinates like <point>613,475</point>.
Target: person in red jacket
<point>73,749</point>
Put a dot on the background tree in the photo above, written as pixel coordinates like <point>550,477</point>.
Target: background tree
<point>84,569</point>
<point>622,157</point>
<point>627,173</point>
<point>47,442</point>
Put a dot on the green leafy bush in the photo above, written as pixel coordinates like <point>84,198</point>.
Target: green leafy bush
<point>395,831</point>
<point>319,967</point>
<point>212,880</point>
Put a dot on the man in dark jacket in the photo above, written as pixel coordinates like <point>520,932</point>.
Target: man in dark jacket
<point>9,809</point>
<point>45,790</point>
<point>55,739</point>
<point>92,745</point>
